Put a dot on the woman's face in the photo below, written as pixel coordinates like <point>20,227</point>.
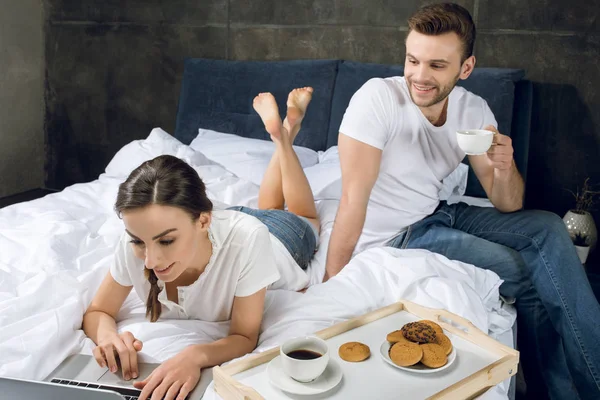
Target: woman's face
<point>166,239</point>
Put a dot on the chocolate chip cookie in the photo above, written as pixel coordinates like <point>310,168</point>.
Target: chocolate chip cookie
<point>419,332</point>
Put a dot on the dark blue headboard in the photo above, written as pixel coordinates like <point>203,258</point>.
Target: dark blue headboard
<point>218,94</point>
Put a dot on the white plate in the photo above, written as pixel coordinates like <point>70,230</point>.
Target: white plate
<point>418,368</point>
<point>329,379</point>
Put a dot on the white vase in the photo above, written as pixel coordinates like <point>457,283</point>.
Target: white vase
<point>582,223</point>
<point>582,252</point>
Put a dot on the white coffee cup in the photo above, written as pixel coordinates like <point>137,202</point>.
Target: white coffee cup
<point>295,358</point>
<point>474,141</point>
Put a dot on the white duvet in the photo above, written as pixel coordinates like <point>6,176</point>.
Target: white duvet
<point>55,251</point>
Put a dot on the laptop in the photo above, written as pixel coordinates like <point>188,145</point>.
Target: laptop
<point>80,377</point>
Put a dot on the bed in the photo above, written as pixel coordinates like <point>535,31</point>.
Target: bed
<point>54,251</point>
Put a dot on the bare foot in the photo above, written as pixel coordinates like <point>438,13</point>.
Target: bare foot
<point>266,106</point>
<point>297,103</point>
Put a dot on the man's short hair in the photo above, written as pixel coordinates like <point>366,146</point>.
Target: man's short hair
<point>437,19</point>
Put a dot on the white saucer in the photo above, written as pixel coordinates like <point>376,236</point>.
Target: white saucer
<point>418,368</point>
<point>329,379</point>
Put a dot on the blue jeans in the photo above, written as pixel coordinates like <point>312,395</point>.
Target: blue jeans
<point>558,314</point>
<point>297,234</point>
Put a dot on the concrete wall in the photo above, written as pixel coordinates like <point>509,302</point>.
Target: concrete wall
<point>21,96</point>
<point>114,68</point>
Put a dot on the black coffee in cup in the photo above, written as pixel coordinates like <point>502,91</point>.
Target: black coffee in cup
<point>303,354</point>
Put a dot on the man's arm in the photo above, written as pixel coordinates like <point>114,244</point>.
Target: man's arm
<point>498,174</point>
<point>360,167</point>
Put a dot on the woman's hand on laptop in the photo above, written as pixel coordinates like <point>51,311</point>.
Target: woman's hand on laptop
<point>173,379</point>
<point>123,345</point>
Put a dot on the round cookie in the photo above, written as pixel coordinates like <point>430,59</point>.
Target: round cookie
<point>419,332</point>
<point>354,351</point>
<point>397,336</point>
<point>434,356</point>
<point>445,342</point>
<point>438,329</point>
<point>406,354</point>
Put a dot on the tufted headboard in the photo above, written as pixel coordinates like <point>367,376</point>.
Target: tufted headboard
<point>218,94</point>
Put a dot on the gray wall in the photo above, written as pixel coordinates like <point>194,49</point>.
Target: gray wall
<point>114,68</point>
<point>21,96</point>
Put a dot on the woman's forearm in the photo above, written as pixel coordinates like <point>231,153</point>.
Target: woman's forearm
<point>98,324</point>
<point>220,351</point>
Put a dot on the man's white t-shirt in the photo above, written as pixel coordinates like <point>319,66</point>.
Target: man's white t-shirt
<point>416,155</point>
<point>243,262</point>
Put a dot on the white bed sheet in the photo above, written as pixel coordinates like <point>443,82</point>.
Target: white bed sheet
<point>55,251</point>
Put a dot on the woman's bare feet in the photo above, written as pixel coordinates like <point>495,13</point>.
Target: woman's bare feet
<point>297,103</point>
<point>266,106</point>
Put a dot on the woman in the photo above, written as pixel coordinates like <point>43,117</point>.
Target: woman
<point>186,260</point>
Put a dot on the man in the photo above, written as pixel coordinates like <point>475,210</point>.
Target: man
<point>396,144</point>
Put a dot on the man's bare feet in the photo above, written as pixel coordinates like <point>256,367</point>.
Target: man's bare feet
<point>297,103</point>
<point>266,106</point>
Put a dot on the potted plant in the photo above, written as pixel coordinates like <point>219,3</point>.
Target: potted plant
<point>582,247</point>
<point>579,220</point>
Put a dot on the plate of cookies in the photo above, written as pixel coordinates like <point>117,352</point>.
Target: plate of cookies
<point>420,346</point>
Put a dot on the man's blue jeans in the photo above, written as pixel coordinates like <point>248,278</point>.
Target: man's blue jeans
<point>558,314</point>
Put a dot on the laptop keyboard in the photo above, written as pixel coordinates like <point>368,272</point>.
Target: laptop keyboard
<point>128,394</point>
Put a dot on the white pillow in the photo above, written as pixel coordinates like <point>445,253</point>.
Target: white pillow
<point>159,142</point>
<point>325,178</point>
<point>246,157</point>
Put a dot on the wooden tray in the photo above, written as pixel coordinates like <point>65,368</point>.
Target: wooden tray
<point>481,363</point>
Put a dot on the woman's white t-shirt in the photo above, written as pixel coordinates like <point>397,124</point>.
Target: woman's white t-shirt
<point>243,262</point>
